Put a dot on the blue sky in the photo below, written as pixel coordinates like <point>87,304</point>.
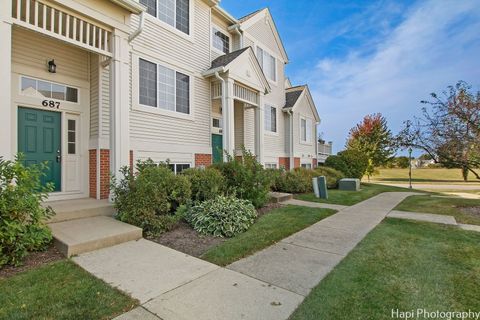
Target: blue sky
<point>362,57</point>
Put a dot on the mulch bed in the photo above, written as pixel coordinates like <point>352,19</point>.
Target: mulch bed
<point>185,239</point>
<point>472,211</point>
<point>32,261</point>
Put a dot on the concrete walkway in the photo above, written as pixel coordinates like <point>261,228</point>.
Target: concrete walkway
<point>311,204</point>
<point>298,263</point>
<point>270,284</point>
<point>428,217</point>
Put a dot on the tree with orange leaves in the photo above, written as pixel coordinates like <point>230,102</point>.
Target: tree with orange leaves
<point>373,138</point>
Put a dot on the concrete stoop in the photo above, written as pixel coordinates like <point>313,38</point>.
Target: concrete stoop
<point>277,197</point>
<point>77,236</point>
<point>66,210</point>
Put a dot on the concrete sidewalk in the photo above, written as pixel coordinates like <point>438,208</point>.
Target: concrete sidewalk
<point>299,262</point>
<point>267,285</point>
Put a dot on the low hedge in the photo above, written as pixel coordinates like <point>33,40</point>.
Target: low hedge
<point>299,180</point>
<point>205,183</point>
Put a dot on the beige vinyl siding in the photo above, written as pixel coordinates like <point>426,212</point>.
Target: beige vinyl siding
<point>94,95</point>
<point>248,42</point>
<point>222,25</point>
<point>105,101</point>
<point>160,45</point>
<point>303,150</point>
<point>71,62</point>
<point>263,33</point>
<point>249,129</point>
<point>238,125</point>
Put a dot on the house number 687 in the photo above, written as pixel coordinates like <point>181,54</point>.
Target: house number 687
<point>51,104</point>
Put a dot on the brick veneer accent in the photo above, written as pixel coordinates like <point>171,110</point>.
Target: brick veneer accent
<point>92,173</point>
<point>296,162</point>
<point>131,161</point>
<point>284,162</point>
<point>314,163</point>
<point>203,159</point>
<point>104,173</point>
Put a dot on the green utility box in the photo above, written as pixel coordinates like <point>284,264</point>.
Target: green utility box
<point>349,184</point>
<point>322,187</point>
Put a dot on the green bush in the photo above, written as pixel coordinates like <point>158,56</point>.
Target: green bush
<point>222,216</point>
<point>332,175</point>
<point>150,198</point>
<point>206,183</point>
<point>246,178</point>
<point>22,218</point>
<point>351,163</point>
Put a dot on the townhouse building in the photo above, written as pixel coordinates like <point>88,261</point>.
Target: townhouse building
<point>89,86</point>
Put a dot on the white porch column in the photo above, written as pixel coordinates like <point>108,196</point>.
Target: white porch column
<point>119,103</point>
<point>259,128</point>
<point>228,119</point>
<point>7,150</point>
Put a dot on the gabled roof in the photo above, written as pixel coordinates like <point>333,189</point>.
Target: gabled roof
<point>291,96</point>
<point>237,60</point>
<point>294,94</point>
<point>224,60</point>
<point>252,18</point>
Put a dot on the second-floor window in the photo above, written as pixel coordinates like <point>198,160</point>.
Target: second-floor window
<point>163,88</point>
<point>220,41</point>
<point>268,64</point>
<point>173,12</point>
<point>305,130</point>
<point>270,118</point>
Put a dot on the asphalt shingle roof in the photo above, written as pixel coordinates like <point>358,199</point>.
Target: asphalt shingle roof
<point>248,16</point>
<point>292,95</point>
<point>224,60</point>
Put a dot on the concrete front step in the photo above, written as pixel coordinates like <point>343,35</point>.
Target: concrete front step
<point>88,234</point>
<point>66,210</point>
<point>276,197</point>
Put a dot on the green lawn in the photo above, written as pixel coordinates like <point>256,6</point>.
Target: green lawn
<point>270,228</point>
<point>400,264</point>
<point>349,198</point>
<point>60,290</point>
<point>423,175</point>
<point>447,206</point>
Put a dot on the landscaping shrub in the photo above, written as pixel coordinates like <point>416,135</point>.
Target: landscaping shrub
<point>205,183</point>
<point>223,216</point>
<point>246,178</point>
<point>332,175</point>
<point>150,198</point>
<point>352,163</point>
<point>22,218</point>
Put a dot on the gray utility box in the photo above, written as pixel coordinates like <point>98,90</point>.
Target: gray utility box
<point>349,184</point>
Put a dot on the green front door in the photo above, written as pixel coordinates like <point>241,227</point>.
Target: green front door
<point>39,141</point>
<point>217,148</point>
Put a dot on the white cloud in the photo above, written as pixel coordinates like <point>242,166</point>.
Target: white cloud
<point>436,44</point>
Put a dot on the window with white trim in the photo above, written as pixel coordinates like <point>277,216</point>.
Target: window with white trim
<point>268,64</point>
<point>173,12</point>
<point>178,167</point>
<point>270,166</point>
<point>270,118</point>
<point>164,88</point>
<point>47,89</point>
<point>307,165</point>
<point>306,130</point>
<point>220,40</point>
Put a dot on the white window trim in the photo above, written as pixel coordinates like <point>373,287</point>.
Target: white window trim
<point>270,165</point>
<point>179,163</point>
<point>267,50</point>
<point>305,142</point>
<point>222,30</point>
<point>157,110</point>
<point>268,132</point>
<point>21,76</point>
<point>172,29</point>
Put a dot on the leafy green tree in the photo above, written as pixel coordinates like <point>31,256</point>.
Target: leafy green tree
<point>402,162</point>
<point>372,138</point>
<point>350,162</point>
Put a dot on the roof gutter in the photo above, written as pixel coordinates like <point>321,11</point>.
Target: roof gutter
<point>237,28</point>
<point>214,71</point>
<point>139,29</point>
<point>130,5</point>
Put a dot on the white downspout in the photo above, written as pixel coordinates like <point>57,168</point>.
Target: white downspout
<point>224,111</point>
<point>139,29</point>
<point>292,156</point>
<point>236,28</point>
